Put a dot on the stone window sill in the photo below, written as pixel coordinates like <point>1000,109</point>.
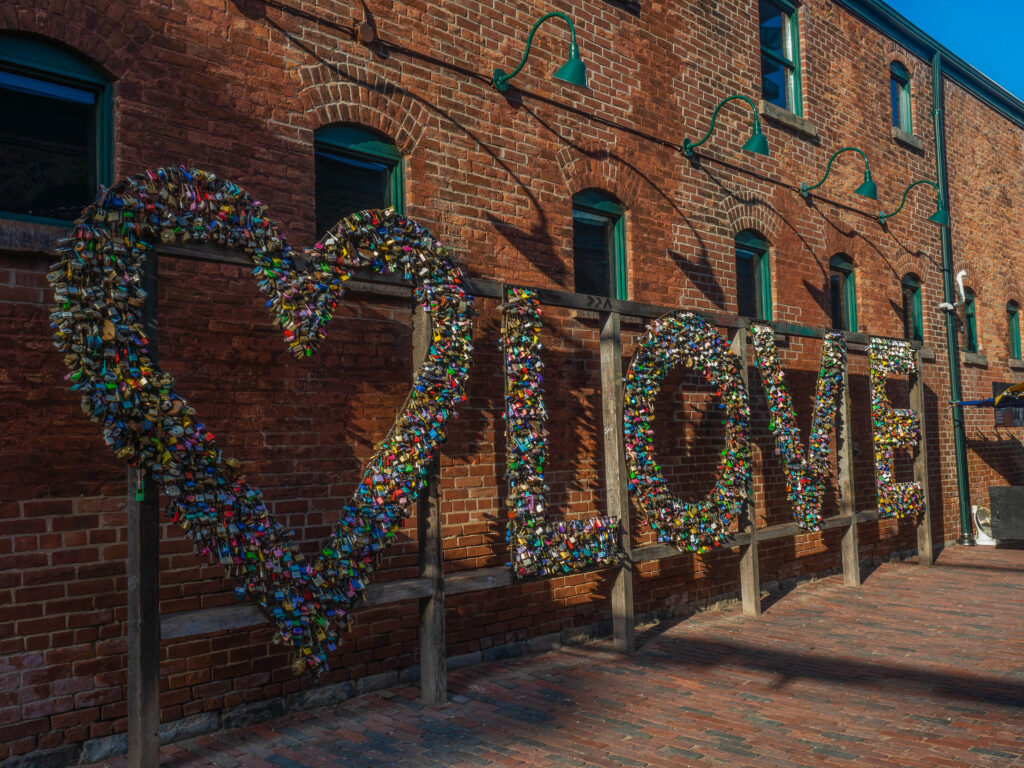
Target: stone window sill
<point>787,119</point>
<point>29,236</point>
<point>928,354</point>
<point>1016,364</point>
<point>976,359</point>
<point>908,139</point>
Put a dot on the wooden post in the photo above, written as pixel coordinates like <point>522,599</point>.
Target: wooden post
<point>750,571</point>
<point>615,474</point>
<point>433,663</point>
<point>143,622</point>
<point>847,500</point>
<point>925,549</point>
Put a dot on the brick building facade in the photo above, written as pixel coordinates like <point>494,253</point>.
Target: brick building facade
<point>241,87</point>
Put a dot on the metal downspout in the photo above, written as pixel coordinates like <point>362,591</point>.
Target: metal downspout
<point>952,346</point>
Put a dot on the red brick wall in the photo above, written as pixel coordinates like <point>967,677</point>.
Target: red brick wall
<point>239,88</point>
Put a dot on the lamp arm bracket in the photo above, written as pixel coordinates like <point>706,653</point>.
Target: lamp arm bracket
<point>689,146</point>
<point>883,216</point>
<point>805,189</point>
<point>501,78</point>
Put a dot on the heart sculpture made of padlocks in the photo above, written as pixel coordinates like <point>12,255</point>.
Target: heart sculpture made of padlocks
<point>98,326</point>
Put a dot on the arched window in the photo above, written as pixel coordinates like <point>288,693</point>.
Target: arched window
<point>55,137</point>
<point>753,276</point>
<point>356,168</point>
<point>599,244</point>
<point>913,323</point>
<point>899,91</point>
<point>1013,328</point>
<point>970,322</point>
<point>843,292</point>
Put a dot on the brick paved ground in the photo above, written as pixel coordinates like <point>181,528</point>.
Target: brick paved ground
<point>918,667</point>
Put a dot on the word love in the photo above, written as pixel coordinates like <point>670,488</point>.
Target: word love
<point>98,325</point>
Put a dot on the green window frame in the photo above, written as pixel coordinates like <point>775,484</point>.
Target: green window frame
<point>1013,328</point>
<point>913,322</point>
<point>899,93</point>
<point>599,245</point>
<point>33,68</point>
<point>779,32</point>
<point>356,168</point>
<point>753,276</point>
<point>970,322</point>
<point>843,293</point>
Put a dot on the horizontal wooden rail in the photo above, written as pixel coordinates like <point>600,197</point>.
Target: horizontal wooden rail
<point>242,615</point>
<point>367,281</point>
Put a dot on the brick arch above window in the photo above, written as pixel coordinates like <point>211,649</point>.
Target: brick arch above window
<point>754,215</point>
<point>81,29</point>
<point>593,167</point>
<point>384,107</point>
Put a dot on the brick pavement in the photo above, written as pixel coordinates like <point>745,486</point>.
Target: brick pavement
<point>918,667</point>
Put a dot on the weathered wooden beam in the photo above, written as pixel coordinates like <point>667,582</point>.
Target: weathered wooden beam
<point>750,569</point>
<point>478,579</point>
<point>433,655</point>
<point>847,500</point>
<point>925,545</point>
<point>143,583</point>
<point>615,474</point>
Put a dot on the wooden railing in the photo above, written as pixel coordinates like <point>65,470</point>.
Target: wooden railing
<point>431,586</point>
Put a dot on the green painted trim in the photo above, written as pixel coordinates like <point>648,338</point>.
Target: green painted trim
<point>355,138</point>
<point>848,289</point>
<point>904,115</point>
<point>42,61</point>
<point>752,240</point>
<point>764,284</point>
<point>596,200</point>
<point>620,275</point>
<point>11,216</point>
<point>1013,321</point>
<point>916,316</point>
<point>970,322</point>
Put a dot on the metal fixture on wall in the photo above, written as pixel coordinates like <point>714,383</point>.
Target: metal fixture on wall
<point>756,143</point>
<point>867,189</point>
<point>941,215</point>
<point>573,71</point>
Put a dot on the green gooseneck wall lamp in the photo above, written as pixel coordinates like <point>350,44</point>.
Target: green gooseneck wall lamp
<point>573,71</point>
<point>941,215</point>
<point>867,189</point>
<point>756,143</point>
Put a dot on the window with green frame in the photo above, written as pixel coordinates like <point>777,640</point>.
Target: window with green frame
<point>599,245</point>
<point>356,168</point>
<point>913,323</point>
<point>970,322</point>
<point>1013,328</point>
<point>843,293</point>
<point>780,54</point>
<point>753,276</point>
<point>899,92</point>
<point>55,131</point>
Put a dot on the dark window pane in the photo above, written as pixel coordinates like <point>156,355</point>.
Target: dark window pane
<point>345,185</point>
<point>746,283</point>
<point>591,246</point>
<point>773,82</point>
<point>894,88</point>
<point>47,148</point>
<point>771,20</point>
<point>835,285</point>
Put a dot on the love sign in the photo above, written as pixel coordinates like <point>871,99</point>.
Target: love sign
<point>97,322</point>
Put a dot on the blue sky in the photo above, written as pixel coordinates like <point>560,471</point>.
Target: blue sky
<point>984,33</point>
